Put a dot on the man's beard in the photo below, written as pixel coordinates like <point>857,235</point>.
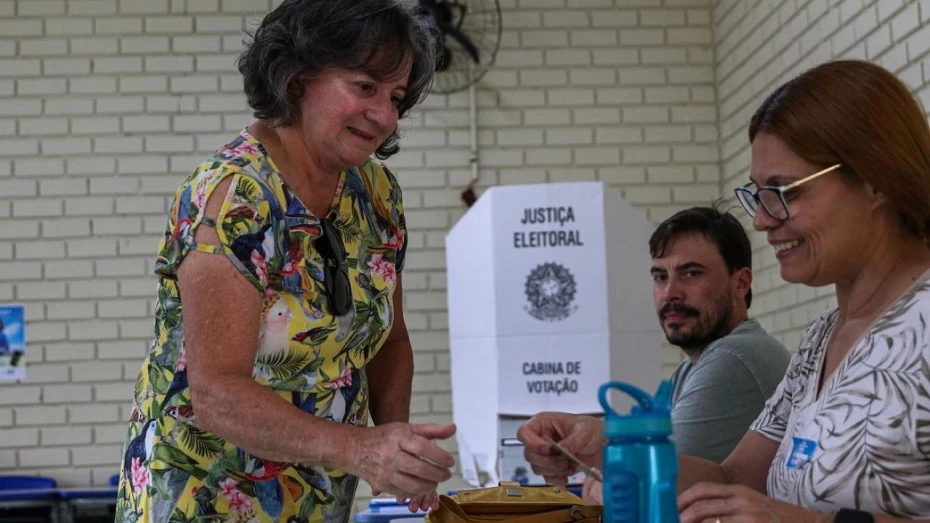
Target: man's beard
<point>708,328</point>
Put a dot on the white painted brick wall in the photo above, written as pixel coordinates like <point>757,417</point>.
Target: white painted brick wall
<point>106,105</point>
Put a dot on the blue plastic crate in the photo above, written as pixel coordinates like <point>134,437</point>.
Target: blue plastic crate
<point>28,498</point>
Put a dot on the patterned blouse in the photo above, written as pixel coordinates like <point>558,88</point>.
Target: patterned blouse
<point>864,443</point>
<point>173,470</point>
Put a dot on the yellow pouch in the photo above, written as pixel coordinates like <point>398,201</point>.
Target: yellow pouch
<point>513,503</point>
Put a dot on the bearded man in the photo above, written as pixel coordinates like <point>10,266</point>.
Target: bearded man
<point>702,279</point>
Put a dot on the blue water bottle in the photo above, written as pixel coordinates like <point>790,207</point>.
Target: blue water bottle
<point>640,466</point>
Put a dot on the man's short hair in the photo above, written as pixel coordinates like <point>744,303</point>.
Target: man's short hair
<point>720,227</point>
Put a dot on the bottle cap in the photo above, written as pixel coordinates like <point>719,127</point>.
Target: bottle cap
<point>651,417</point>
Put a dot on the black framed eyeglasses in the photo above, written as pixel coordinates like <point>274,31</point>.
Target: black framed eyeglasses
<point>772,199</point>
<point>335,272</point>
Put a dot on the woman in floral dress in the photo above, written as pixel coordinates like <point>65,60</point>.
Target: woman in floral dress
<point>278,323</point>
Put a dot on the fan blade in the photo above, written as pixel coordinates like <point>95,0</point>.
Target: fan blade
<point>465,42</point>
<point>444,15</point>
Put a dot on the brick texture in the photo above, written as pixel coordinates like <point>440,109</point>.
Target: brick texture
<point>105,105</point>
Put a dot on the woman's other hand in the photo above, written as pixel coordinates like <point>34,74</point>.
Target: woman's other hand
<point>422,502</point>
<point>593,491</point>
<point>582,436</point>
<point>402,459</point>
<point>739,504</point>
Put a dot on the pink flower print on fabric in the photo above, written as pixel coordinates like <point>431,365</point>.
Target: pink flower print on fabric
<point>261,270</point>
<point>238,502</point>
<point>344,380</point>
<point>383,268</point>
<point>245,149</point>
<point>270,295</point>
<point>200,197</point>
<point>140,476</point>
<point>227,488</point>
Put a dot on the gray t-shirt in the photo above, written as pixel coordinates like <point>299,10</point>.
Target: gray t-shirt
<point>716,399</point>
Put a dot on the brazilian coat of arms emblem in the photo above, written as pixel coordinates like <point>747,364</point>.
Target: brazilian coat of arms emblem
<point>550,290</point>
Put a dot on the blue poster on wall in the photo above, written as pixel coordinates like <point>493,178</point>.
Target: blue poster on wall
<point>12,343</point>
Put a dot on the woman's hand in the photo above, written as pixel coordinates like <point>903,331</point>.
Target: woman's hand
<point>423,502</point>
<point>582,436</point>
<point>593,491</point>
<point>401,459</point>
<point>713,502</point>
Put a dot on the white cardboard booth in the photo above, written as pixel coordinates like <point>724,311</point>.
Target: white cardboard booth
<point>549,297</point>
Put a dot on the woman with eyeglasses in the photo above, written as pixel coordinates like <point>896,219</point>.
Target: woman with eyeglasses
<point>840,185</point>
<point>278,320</point>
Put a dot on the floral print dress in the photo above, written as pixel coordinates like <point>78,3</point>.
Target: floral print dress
<point>174,471</point>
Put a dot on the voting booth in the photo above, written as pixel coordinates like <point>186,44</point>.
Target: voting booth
<point>550,296</point>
